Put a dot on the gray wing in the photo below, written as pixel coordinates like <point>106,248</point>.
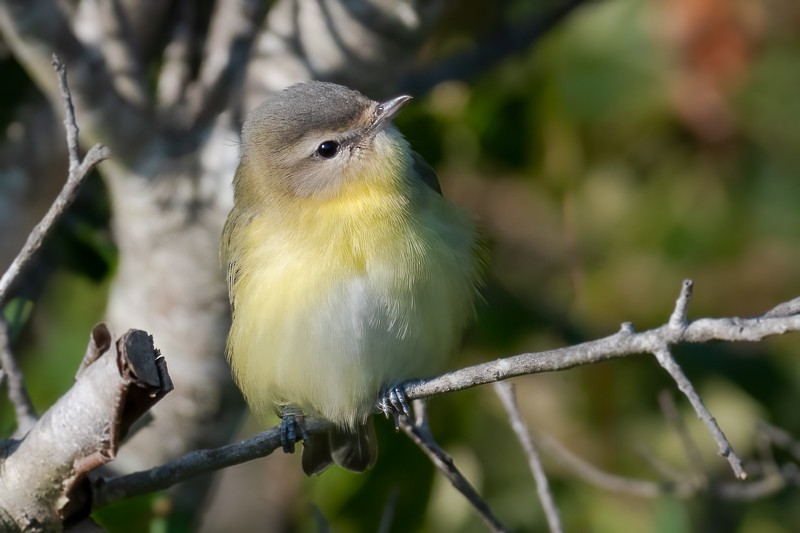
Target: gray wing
<point>425,172</point>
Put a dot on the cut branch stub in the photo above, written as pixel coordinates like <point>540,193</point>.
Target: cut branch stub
<point>117,382</point>
<point>146,370</point>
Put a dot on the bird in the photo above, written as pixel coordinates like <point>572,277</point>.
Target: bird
<point>348,272</point>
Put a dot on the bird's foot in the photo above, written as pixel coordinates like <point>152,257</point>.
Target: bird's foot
<point>394,403</point>
<point>293,429</point>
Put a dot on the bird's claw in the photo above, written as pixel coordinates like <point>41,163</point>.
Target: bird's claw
<point>293,429</point>
<point>395,404</point>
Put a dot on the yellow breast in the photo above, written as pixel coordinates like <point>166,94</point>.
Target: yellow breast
<point>337,298</point>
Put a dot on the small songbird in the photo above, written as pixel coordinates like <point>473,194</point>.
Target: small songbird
<point>348,272</point>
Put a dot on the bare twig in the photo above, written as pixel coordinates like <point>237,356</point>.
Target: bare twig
<point>590,473</point>
<point>192,464</point>
<point>759,488</point>
<point>678,322</point>
<point>678,318</point>
<point>792,307</point>
<point>506,393</point>
<point>733,491</point>
<point>623,343</point>
<point>17,394</point>
<point>420,434</point>
<point>669,364</point>
<point>78,172</point>
<point>70,123</point>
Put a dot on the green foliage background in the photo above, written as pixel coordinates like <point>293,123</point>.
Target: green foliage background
<point>599,201</point>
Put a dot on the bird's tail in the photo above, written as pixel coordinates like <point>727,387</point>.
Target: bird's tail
<point>353,449</point>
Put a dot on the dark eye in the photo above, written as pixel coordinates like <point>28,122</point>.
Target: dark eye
<point>328,149</point>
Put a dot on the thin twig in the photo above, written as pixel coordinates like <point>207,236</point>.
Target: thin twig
<point>733,491</point>
<point>193,464</point>
<point>759,488</point>
<point>593,475</point>
<point>678,319</point>
<point>420,434</point>
<point>621,344</point>
<point>70,123</point>
<point>659,466</point>
<point>792,307</point>
<point>17,394</point>
<point>77,174</point>
<point>506,393</point>
<point>665,359</point>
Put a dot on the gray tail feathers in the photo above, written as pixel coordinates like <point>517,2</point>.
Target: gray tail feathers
<point>353,449</point>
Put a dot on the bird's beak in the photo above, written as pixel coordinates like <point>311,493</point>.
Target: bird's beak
<point>386,111</point>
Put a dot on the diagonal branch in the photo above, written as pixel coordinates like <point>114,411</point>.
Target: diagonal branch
<point>665,359</point>
<point>507,395</point>
<point>420,434</point>
<point>77,174</point>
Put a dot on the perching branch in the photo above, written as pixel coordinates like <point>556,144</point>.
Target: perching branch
<point>623,343</point>
<point>782,319</point>
<point>198,462</point>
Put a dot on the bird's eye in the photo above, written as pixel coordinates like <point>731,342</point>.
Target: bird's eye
<point>328,149</point>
